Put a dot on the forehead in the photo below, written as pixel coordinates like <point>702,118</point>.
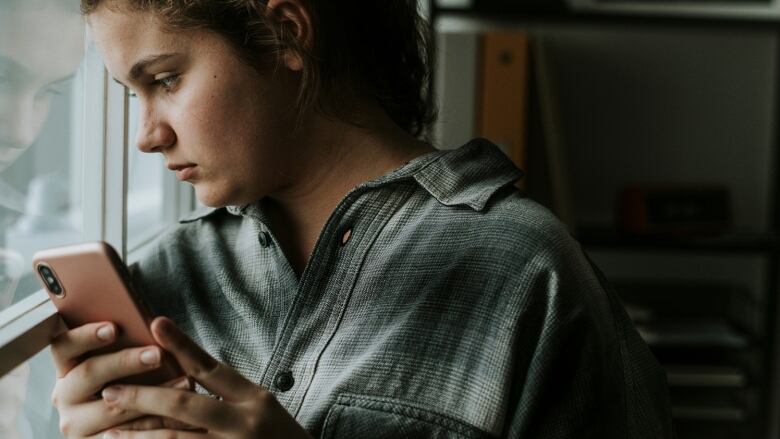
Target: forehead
<point>43,42</point>
<point>124,37</point>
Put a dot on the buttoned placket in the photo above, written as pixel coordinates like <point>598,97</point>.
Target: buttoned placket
<point>324,291</point>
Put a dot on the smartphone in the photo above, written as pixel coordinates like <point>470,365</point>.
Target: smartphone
<point>89,283</point>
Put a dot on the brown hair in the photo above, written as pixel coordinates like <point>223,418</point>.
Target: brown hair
<point>374,49</point>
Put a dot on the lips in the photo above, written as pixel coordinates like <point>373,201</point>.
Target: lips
<point>184,171</point>
<point>179,166</point>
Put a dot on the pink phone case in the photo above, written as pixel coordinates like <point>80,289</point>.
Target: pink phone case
<point>95,287</point>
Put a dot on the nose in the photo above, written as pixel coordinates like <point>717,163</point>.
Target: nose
<point>154,132</point>
<point>21,119</point>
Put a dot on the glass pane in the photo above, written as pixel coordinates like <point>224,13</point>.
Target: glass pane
<point>25,401</point>
<point>146,190</point>
<point>41,118</point>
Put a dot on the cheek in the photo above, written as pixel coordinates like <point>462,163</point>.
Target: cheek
<point>40,113</point>
<point>21,117</point>
<point>226,125</point>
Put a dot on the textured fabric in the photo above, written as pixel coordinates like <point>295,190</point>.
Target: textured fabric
<point>456,309</point>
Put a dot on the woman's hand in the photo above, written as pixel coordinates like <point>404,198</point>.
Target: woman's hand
<point>82,413</point>
<point>244,411</point>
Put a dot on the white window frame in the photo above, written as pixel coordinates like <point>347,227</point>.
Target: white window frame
<point>28,326</point>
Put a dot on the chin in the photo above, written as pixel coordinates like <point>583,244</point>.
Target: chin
<point>216,198</point>
<point>210,198</point>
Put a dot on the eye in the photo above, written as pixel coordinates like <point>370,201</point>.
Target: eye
<point>168,82</point>
<point>54,89</point>
<point>50,91</point>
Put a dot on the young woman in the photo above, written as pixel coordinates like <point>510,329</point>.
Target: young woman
<point>349,281</point>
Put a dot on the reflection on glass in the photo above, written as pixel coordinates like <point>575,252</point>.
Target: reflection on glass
<point>11,271</point>
<point>13,387</point>
<point>41,48</point>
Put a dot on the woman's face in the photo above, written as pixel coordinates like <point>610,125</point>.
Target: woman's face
<point>40,48</point>
<point>223,127</point>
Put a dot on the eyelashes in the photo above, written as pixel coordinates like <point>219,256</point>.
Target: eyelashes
<point>166,84</point>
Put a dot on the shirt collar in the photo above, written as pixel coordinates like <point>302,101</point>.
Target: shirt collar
<point>467,176</point>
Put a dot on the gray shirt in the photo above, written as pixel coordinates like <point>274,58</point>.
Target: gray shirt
<point>438,302</point>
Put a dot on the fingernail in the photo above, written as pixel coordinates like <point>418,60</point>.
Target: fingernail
<point>110,394</point>
<point>105,332</point>
<point>110,435</point>
<point>150,357</point>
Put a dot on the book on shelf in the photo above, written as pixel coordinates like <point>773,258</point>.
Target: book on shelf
<point>502,102</point>
<point>495,85</point>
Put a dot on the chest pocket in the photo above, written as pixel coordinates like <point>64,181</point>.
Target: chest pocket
<point>359,417</point>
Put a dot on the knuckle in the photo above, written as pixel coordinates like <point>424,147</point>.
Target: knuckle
<point>66,426</point>
<point>253,423</point>
<point>128,359</point>
<point>181,400</point>
<point>128,396</point>
<point>265,399</point>
<point>116,412</point>
<point>56,349</point>
<point>55,395</point>
<point>85,370</point>
<point>203,373</point>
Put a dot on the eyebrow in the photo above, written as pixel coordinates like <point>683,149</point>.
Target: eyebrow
<point>63,79</point>
<point>139,67</point>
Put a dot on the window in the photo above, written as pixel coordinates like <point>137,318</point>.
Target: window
<point>68,173</point>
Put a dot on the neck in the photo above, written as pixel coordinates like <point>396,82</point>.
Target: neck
<point>336,157</point>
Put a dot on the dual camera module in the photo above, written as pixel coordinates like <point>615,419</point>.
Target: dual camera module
<point>50,280</point>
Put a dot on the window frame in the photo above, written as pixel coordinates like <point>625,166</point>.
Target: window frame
<point>28,326</point>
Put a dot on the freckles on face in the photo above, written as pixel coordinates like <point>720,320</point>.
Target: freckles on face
<point>223,115</point>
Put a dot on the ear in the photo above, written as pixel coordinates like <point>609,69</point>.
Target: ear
<point>295,17</point>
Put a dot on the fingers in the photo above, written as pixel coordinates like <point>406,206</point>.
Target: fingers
<point>156,423</point>
<point>70,345</point>
<point>183,383</point>
<point>85,419</point>
<point>185,406</point>
<point>91,375</point>
<point>218,378</point>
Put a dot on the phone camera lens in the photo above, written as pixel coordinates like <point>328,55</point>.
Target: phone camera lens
<point>47,275</point>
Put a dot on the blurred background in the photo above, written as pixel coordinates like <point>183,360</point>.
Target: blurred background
<point>53,154</point>
<point>650,129</point>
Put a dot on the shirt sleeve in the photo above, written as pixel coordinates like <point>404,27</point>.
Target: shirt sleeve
<point>582,369</point>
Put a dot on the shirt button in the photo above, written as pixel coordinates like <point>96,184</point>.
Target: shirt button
<point>345,238</point>
<point>284,381</point>
<point>264,238</point>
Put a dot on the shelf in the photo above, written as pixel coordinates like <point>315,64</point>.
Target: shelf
<point>626,12</point>
<point>705,376</point>
<point>727,243</point>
